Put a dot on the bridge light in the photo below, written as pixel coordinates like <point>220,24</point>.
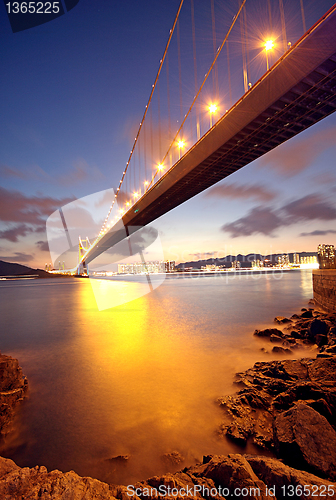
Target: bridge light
<point>160,167</point>
<point>269,44</point>
<point>181,144</point>
<point>212,109</point>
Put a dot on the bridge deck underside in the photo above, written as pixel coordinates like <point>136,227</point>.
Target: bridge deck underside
<point>305,104</point>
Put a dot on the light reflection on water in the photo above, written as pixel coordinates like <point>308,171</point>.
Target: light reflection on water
<point>139,379</point>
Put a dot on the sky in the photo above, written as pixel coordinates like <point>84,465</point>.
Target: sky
<point>73,93</point>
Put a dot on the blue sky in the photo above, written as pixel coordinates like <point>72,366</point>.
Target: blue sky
<point>73,93</point>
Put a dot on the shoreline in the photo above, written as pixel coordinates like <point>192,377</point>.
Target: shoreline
<point>272,396</point>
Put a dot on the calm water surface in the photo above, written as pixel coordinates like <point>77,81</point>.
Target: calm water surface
<point>140,379</point>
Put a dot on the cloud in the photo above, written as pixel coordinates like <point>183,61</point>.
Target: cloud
<point>43,245</point>
<point>12,234</point>
<point>237,191</point>
<point>18,257</point>
<point>266,220</point>
<point>17,207</point>
<point>259,220</point>
<point>318,232</point>
<point>310,207</point>
<point>292,158</point>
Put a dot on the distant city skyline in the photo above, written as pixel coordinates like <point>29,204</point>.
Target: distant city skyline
<point>73,92</point>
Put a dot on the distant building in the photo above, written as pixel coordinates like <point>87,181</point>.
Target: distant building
<point>296,258</point>
<point>235,264</point>
<point>257,264</point>
<point>211,268</point>
<point>326,256</point>
<point>283,260</point>
<point>310,259</point>
<point>147,267</point>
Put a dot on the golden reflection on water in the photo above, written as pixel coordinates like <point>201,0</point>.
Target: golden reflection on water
<point>306,280</point>
<point>156,379</point>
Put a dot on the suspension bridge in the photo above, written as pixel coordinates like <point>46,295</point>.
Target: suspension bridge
<point>181,148</point>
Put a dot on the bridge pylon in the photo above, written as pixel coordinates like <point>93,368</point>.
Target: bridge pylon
<point>83,246</point>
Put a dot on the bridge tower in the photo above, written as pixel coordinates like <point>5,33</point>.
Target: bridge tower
<point>83,246</point>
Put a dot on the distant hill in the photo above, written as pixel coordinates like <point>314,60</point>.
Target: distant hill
<point>245,260</point>
<point>10,269</point>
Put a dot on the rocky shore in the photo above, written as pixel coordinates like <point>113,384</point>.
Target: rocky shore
<point>13,386</point>
<point>287,408</point>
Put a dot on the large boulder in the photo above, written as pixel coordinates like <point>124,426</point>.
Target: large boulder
<point>304,439</point>
<point>232,472</point>
<point>39,484</point>
<point>323,370</point>
<point>13,386</point>
<point>10,374</point>
<point>283,480</point>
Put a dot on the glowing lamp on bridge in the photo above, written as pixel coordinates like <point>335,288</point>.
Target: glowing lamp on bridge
<point>181,145</point>
<point>160,167</point>
<point>212,109</point>
<point>269,45</point>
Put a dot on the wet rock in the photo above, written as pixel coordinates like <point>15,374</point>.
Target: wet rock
<point>307,314</point>
<point>37,483</point>
<point>276,339</point>
<point>275,474</point>
<point>13,387</point>
<point>232,472</point>
<point>323,370</point>
<point>281,350</point>
<point>281,320</point>
<point>318,327</point>
<point>173,458</point>
<point>321,340</point>
<point>268,332</point>
<point>121,459</point>
<point>304,438</point>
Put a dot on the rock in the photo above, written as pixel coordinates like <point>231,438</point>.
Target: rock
<point>317,327</point>
<point>281,320</point>
<point>122,459</point>
<point>282,350</point>
<point>290,339</point>
<point>276,339</point>
<point>218,477</point>
<point>295,334</point>
<point>268,332</point>
<point>275,474</point>
<point>321,340</point>
<point>304,438</point>
<point>10,374</point>
<point>323,369</point>
<point>13,386</point>
<point>307,314</point>
<point>173,458</point>
<point>232,472</point>
<point>37,483</point>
